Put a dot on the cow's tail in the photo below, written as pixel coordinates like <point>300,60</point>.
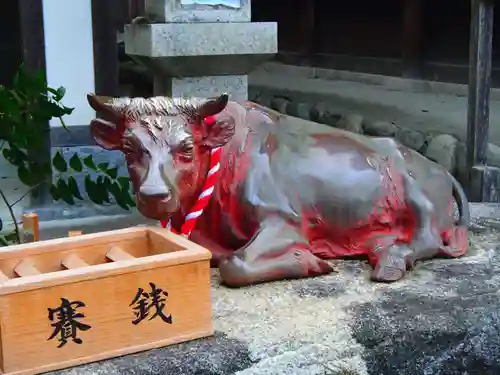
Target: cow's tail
<point>462,202</point>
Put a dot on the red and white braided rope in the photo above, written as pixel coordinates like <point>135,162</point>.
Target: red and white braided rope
<point>206,193</point>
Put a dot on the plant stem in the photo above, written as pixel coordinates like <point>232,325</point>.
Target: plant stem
<point>28,192</point>
<point>11,211</point>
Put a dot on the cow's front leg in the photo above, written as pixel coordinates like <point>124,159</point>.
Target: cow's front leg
<point>276,252</point>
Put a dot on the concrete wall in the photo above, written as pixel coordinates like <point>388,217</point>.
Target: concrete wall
<point>69,55</point>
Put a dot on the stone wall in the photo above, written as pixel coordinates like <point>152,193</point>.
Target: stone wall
<point>443,148</point>
<point>84,208</point>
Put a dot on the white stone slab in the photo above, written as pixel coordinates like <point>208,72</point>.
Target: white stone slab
<point>201,39</point>
<point>204,87</point>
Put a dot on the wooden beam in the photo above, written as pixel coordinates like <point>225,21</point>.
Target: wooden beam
<point>310,36</point>
<point>483,180</point>
<point>412,38</point>
<point>105,16</point>
<point>33,47</point>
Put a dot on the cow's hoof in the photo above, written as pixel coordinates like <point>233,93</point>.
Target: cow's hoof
<point>314,265</point>
<point>234,272</point>
<point>391,266</point>
<point>457,241</point>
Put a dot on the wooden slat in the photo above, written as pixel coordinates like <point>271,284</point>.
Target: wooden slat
<point>116,254</point>
<point>3,277</point>
<point>73,261</point>
<point>26,268</point>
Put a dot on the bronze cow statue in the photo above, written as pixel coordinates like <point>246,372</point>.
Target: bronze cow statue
<point>285,201</point>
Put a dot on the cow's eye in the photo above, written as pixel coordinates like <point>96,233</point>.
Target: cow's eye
<point>186,147</point>
<point>185,151</point>
<point>130,150</point>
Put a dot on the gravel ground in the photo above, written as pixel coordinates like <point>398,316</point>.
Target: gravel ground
<point>442,319</point>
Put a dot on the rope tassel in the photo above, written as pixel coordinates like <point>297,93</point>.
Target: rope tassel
<point>205,195</point>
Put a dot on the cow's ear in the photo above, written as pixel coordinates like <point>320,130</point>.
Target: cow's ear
<point>213,106</point>
<point>218,132</point>
<point>106,134</point>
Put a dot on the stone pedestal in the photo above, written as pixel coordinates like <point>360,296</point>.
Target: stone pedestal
<point>201,47</point>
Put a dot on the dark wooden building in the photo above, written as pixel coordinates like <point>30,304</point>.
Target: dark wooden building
<point>426,39</point>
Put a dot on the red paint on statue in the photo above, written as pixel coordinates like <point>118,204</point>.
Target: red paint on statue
<point>391,221</point>
<point>236,215</point>
<point>325,239</point>
<point>205,192</point>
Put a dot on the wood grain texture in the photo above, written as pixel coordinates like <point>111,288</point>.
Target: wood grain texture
<point>106,296</point>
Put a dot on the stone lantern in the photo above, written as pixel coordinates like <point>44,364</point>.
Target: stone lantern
<point>201,47</point>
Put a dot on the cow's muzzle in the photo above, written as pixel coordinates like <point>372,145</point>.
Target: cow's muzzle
<point>156,207</point>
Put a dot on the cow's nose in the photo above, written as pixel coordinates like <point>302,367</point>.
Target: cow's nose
<point>154,192</point>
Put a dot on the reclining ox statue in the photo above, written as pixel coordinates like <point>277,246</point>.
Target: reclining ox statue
<point>284,201</point>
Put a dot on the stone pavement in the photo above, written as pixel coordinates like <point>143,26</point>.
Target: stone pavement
<point>443,319</point>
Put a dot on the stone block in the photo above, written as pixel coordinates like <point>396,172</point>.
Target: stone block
<point>199,10</point>
<point>352,123</point>
<point>201,39</point>
<point>411,138</point>
<point>264,99</point>
<point>204,87</point>
<point>280,104</point>
<point>196,50</point>
<point>442,149</point>
<point>299,109</point>
<point>380,128</point>
<point>321,113</point>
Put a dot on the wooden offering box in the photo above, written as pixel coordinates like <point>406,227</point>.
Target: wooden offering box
<point>80,299</point>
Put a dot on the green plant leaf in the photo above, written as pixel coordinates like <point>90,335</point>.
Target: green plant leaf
<point>61,91</point>
<point>75,163</point>
<point>65,192</point>
<point>3,241</point>
<point>89,163</point>
<point>55,192</point>
<point>112,172</point>
<point>59,163</point>
<point>25,176</point>
<point>124,182</point>
<point>120,197</point>
<point>11,238</point>
<point>103,183</point>
<point>92,191</point>
<point>129,198</point>
<point>103,167</point>
<point>73,188</point>
<point>14,155</point>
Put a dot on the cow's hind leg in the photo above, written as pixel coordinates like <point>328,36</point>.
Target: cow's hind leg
<point>426,241</point>
<point>455,238</point>
<point>390,258</point>
<point>276,252</point>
